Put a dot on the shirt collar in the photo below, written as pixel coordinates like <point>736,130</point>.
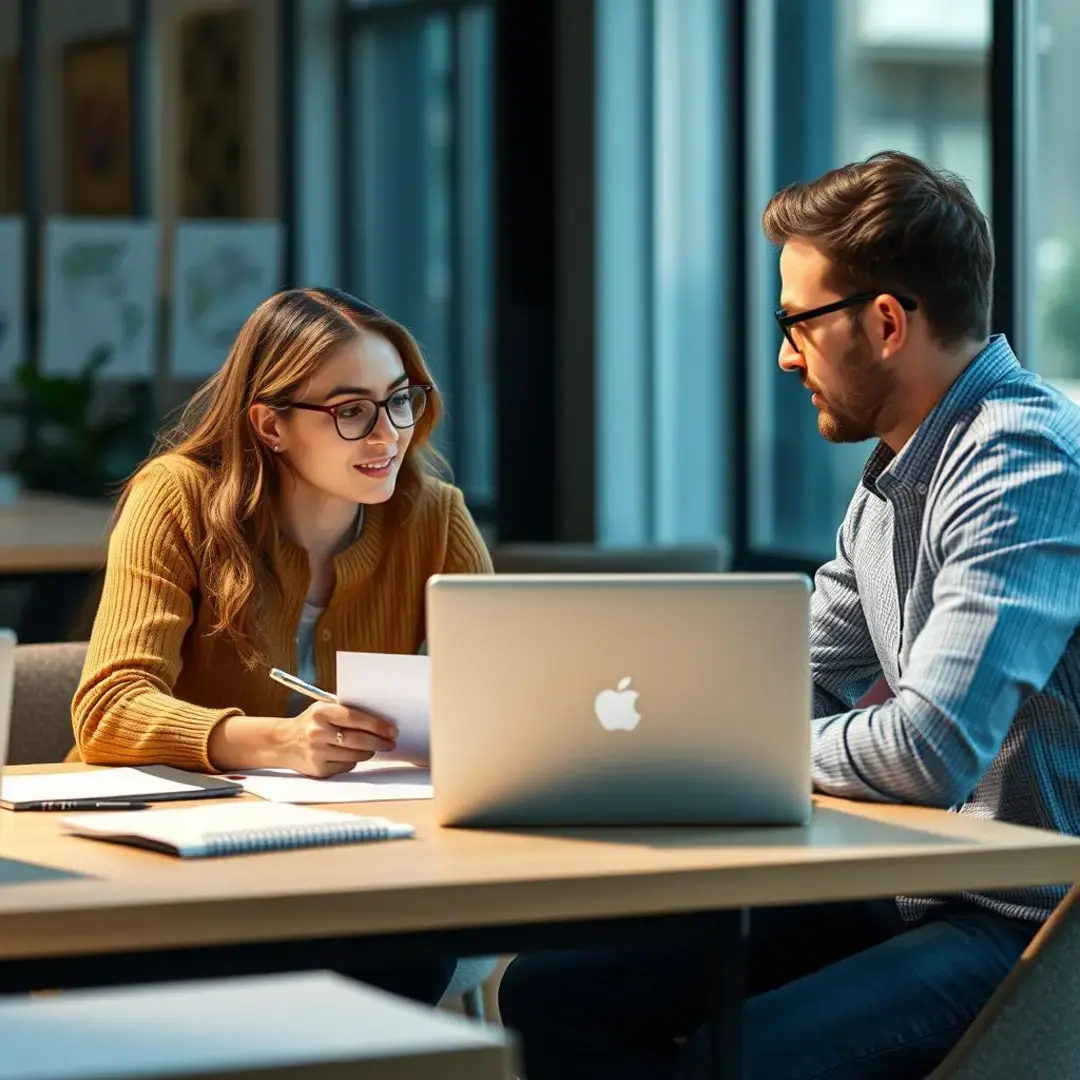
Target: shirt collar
<point>915,463</point>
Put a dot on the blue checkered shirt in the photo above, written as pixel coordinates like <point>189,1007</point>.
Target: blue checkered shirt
<point>957,576</point>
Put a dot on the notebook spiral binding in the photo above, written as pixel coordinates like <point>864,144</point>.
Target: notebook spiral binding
<point>246,841</point>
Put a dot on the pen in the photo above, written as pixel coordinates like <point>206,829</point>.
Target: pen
<point>301,687</point>
<point>83,804</point>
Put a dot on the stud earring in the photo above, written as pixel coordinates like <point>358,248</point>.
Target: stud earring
<point>277,448</point>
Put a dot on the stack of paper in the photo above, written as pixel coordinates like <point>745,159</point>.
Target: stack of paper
<point>370,781</point>
<point>394,686</point>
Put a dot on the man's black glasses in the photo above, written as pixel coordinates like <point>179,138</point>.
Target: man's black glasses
<point>786,320</point>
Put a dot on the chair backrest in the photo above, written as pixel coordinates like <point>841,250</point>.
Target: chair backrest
<point>1028,1028</point>
<point>46,678</point>
<point>590,559</point>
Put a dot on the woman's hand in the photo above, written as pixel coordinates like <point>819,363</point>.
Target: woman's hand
<point>327,739</point>
<point>309,743</point>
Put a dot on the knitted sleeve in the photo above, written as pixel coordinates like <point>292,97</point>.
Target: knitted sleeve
<point>466,552</point>
<point>124,711</point>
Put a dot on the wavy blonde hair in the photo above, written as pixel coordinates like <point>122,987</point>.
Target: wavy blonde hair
<point>278,349</point>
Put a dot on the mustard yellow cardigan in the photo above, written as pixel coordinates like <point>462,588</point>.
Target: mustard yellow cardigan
<point>156,682</point>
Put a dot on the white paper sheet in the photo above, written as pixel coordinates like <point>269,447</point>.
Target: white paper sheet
<point>394,686</point>
<point>370,781</point>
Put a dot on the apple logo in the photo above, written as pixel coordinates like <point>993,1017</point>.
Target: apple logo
<point>615,708</point>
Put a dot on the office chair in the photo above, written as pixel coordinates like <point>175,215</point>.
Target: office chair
<point>557,558</point>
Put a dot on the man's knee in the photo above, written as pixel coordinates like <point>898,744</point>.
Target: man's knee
<point>531,988</point>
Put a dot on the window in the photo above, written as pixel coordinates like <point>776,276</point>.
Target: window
<point>419,184</point>
<point>1055,261</point>
<point>661,323</point>
<point>833,81</point>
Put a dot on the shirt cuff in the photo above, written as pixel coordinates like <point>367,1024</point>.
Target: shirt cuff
<point>833,771</point>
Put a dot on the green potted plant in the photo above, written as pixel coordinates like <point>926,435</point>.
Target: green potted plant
<point>75,443</point>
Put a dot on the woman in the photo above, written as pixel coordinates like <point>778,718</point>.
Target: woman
<point>293,512</point>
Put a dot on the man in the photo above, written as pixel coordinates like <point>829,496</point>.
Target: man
<point>957,579</point>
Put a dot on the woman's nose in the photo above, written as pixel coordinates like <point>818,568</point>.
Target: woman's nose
<point>384,430</point>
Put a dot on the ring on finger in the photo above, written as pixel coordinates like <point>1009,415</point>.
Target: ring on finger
<point>340,737</point>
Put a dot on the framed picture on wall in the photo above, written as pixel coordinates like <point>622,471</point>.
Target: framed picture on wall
<point>222,271</point>
<point>215,111</point>
<point>97,127</point>
<point>100,292</point>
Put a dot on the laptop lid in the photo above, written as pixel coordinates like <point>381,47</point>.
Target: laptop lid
<point>620,699</point>
<point>7,691</point>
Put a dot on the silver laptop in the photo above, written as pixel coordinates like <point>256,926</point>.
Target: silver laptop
<point>7,691</point>
<point>620,699</point>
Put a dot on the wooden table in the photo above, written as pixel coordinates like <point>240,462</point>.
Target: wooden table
<point>469,892</point>
<point>45,534</point>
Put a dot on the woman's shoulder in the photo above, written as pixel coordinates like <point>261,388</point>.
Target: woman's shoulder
<point>438,500</point>
<point>172,485</point>
<point>443,518</point>
<point>172,474</point>
<point>432,511</point>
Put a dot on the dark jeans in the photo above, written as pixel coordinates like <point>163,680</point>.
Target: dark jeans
<point>842,991</point>
<point>425,983</point>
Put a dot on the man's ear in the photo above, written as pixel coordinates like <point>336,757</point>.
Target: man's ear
<point>266,423</point>
<point>892,324</point>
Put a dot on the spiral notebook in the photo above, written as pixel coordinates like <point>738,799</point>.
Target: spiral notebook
<point>234,828</point>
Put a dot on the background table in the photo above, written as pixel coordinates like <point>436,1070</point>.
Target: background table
<point>55,545</point>
<point>314,1026</point>
<point>53,534</point>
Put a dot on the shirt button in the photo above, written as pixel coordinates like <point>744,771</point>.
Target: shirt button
<point>325,635</point>
<point>920,488</point>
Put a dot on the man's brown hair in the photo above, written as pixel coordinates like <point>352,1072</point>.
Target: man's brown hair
<point>893,224</point>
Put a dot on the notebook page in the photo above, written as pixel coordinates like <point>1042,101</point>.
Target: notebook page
<point>185,830</point>
<point>117,783</point>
